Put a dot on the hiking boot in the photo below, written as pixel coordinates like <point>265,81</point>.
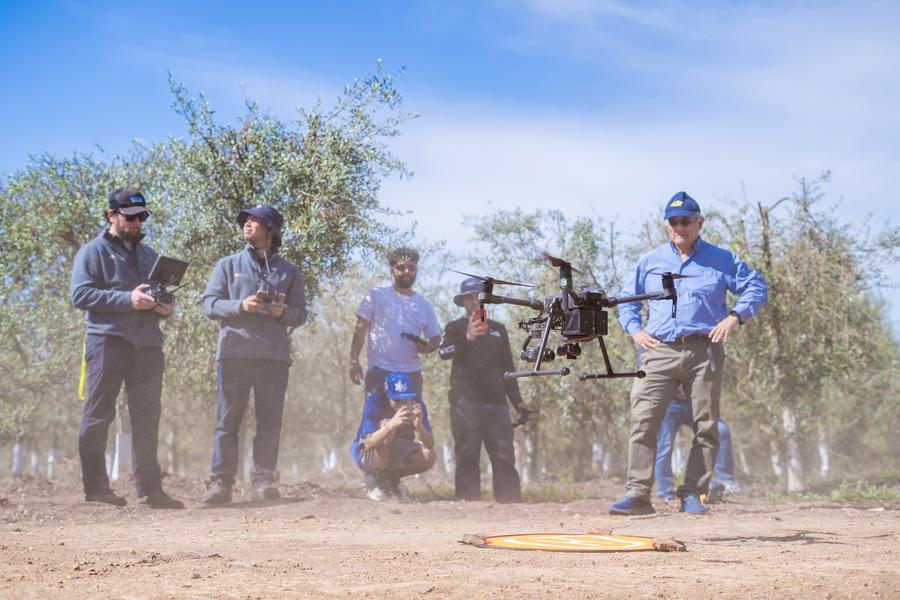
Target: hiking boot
<point>217,493</point>
<point>668,497</point>
<point>730,487</point>
<point>632,506</point>
<point>160,499</point>
<point>716,492</point>
<point>264,491</point>
<point>691,504</point>
<point>399,492</point>
<point>106,497</point>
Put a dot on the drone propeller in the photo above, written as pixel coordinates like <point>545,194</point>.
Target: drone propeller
<point>672,275</point>
<point>558,262</point>
<point>491,279</point>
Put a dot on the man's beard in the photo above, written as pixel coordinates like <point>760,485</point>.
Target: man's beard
<point>132,236</point>
<point>405,281</point>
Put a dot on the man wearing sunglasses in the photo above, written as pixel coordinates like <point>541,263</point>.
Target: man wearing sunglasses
<point>110,278</point>
<point>686,350</point>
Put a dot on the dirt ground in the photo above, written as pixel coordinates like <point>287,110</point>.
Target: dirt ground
<point>323,542</point>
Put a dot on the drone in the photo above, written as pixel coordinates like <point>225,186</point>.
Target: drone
<point>579,317</point>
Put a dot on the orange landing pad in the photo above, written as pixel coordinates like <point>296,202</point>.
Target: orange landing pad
<point>572,542</point>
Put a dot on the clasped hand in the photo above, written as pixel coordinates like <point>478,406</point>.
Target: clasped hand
<point>141,300</point>
<point>251,304</point>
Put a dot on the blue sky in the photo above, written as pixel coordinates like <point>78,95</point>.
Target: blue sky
<point>601,106</point>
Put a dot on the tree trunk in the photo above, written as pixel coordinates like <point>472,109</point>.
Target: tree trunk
<point>531,473</point>
<point>775,455</point>
<point>795,480</point>
<point>745,466</point>
<point>35,463</point>
<point>122,457</point>
<point>172,450</point>
<point>824,454</point>
<point>18,463</point>
<point>51,463</point>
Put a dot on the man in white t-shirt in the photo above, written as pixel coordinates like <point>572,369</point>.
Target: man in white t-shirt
<point>395,323</point>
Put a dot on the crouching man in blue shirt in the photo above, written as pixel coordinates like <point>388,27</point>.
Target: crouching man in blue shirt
<point>385,447</point>
<point>110,279</point>
<point>686,350</point>
<point>258,298</point>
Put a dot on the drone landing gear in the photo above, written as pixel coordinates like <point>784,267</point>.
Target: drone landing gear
<point>640,373</point>
<point>539,356</point>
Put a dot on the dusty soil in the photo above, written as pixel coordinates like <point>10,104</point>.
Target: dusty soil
<point>325,542</point>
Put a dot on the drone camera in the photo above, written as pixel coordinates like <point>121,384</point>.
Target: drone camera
<point>530,354</point>
<point>569,350</point>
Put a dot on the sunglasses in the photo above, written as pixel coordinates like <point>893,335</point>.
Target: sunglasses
<point>140,216</point>
<point>681,221</point>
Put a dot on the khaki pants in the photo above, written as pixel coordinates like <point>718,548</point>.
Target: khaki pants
<point>687,362</point>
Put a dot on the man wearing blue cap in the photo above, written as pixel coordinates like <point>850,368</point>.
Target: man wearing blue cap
<point>110,278</point>
<point>258,298</point>
<point>479,349</point>
<point>385,447</point>
<point>686,350</point>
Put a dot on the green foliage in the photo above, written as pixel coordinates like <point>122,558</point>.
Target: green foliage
<point>322,171</point>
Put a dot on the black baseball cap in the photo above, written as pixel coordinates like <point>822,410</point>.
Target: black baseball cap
<point>472,285</point>
<point>128,201</point>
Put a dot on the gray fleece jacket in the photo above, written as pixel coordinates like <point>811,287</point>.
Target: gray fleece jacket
<point>103,275</point>
<point>254,335</point>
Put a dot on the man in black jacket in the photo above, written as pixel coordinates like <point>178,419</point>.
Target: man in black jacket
<point>480,352</point>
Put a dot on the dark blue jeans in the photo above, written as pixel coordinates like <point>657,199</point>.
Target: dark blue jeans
<point>678,414</point>
<point>237,376</point>
<point>112,361</point>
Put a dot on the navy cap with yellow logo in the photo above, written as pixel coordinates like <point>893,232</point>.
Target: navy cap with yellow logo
<point>681,205</point>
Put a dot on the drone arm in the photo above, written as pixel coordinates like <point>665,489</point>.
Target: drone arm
<point>489,298</point>
<point>660,295</point>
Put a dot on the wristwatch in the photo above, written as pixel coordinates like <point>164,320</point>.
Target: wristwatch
<point>735,314</point>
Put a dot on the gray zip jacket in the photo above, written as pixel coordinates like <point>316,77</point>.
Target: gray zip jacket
<point>254,335</point>
<point>103,275</point>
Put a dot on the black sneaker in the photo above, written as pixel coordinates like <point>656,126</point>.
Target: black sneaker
<point>217,493</point>
<point>106,497</point>
<point>264,491</point>
<point>160,499</point>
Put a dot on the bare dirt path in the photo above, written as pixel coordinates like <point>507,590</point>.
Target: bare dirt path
<point>321,543</point>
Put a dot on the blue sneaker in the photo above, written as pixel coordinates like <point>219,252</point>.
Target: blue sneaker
<point>691,504</point>
<point>632,506</point>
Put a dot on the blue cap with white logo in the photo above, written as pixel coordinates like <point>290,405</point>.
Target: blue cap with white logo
<point>681,205</point>
<point>398,386</point>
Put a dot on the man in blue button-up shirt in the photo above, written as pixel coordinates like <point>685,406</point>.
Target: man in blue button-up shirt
<point>686,350</point>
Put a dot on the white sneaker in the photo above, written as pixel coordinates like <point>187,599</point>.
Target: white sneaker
<point>377,494</point>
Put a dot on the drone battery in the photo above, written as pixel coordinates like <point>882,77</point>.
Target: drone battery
<point>585,321</point>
